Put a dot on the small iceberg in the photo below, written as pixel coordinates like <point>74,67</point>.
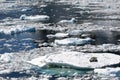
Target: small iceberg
<point>77,60</point>
<point>72,21</point>
<point>58,35</point>
<point>41,18</point>
<point>73,41</point>
<point>114,72</point>
<point>16,29</point>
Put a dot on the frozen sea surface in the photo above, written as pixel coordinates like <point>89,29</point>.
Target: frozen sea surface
<point>18,45</point>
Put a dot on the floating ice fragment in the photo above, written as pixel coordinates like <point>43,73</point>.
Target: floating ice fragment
<point>72,21</point>
<point>58,35</point>
<point>35,18</point>
<point>73,41</point>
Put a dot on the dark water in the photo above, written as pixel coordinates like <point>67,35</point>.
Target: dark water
<point>105,37</point>
<point>18,42</point>
<point>15,75</point>
<point>55,11</point>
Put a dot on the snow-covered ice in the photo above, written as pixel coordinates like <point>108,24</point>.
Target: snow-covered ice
<point>77,59</point>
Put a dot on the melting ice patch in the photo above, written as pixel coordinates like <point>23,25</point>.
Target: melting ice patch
<point>16,29</point>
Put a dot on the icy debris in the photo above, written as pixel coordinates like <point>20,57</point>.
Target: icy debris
<point>6,57</point>
<point>114,72</point>
<point>16,29</point>
<point>77,59</point>
<point>73,41</point>
<point>35,18</point>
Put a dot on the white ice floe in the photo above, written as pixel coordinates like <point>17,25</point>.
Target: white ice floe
<point>16,29</point>
<point>77,59</point>
<point>115,72</point>
<point>73,41</point>
<point>6,57</point>
<point>72,21</point>
<point>76,32</point>
<point>58,35</point>
<point>35,18</point>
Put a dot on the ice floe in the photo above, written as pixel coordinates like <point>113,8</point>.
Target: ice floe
<point>58,35</point>
<point>73,41</point>
<point>72,21</point>
<point>114,72</point>
<point>77,59</point>
<point>35,18</point>
<point>16,29</point>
